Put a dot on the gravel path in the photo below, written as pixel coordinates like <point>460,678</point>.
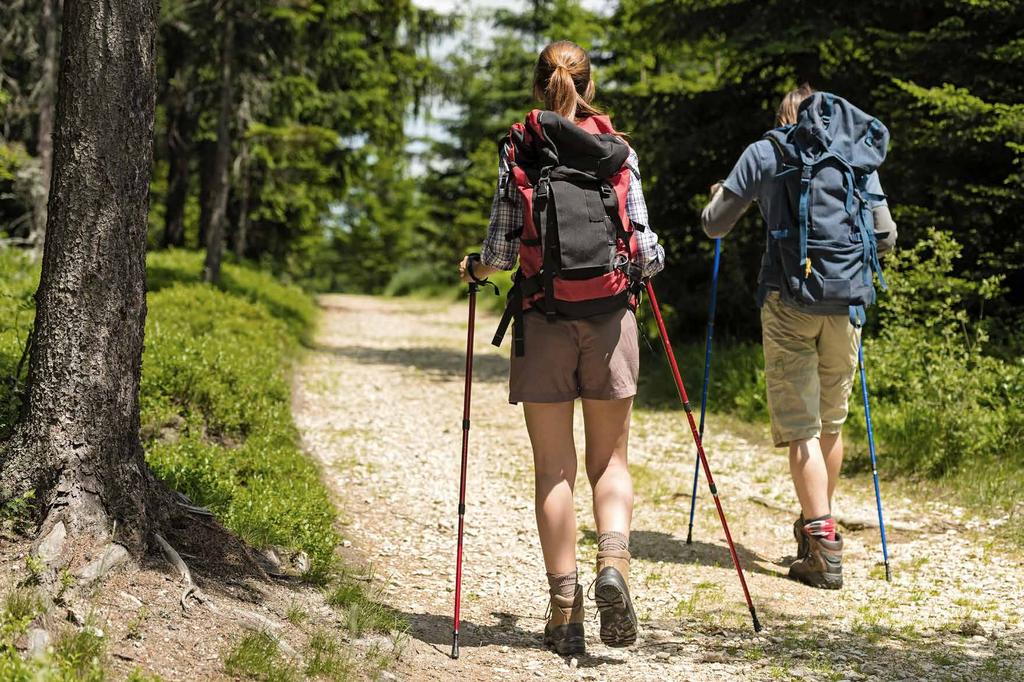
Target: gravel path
<point>379,403</point>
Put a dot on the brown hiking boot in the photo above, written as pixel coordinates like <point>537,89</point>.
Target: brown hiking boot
<point>611,592</point>
<point>823,565</point>
<point>802,546</point>
<point>564,629</point>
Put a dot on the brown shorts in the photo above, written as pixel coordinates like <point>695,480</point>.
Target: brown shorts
<point>596,358</point>
<point>809,363</point>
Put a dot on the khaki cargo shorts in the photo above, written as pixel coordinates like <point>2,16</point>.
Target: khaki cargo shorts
<point>809,363</point>
<point>596,358</point>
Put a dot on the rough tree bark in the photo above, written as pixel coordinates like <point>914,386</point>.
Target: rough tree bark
<point>217,230</point>
<point>78,445</point>
<point>49,25</point>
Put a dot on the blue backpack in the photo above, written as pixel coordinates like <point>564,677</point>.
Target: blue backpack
<point>824,258</point>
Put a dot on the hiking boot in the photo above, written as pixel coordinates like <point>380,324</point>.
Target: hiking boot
<point>564,629</point>
<point>611,592</point>
<point>802,546</point>
<point>823,565</point>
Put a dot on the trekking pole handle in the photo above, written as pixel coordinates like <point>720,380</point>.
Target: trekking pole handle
<point>477,282</point>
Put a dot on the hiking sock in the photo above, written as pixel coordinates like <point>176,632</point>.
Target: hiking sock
<point>612,541</point>
<point>562,584</point>
<point>822,527</point>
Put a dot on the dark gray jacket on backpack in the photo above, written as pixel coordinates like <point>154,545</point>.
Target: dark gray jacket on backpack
<point>826,218</point>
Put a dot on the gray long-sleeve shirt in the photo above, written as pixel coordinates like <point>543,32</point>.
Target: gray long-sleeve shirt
<point>726,208</point>
<point>747,183</point>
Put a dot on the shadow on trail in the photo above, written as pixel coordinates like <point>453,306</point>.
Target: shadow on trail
<point>875,647</point>
<point>653,545</point>
<point>436,630</point>
<point>711,635</point>
<point>437,363</point>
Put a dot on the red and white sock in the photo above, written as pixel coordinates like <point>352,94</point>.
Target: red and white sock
<point>823,527</point>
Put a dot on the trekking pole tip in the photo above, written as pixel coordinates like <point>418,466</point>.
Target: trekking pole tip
<point>455,646</point>
<point>689,536</point>
<point>757,623</point>
<point>888,573</point>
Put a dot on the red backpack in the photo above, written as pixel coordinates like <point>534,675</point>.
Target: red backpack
<point>578,250</point>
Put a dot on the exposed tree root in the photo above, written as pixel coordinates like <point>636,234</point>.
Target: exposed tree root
<point>172,556</point>
<point>185,503</point>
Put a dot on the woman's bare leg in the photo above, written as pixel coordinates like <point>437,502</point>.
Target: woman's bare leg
<point>607,429</point>
<point>554,459</point>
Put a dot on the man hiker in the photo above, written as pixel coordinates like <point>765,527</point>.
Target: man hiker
<point>815,181</point>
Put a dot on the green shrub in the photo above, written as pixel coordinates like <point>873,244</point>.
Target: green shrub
<point>215,375</point>
<point>285,302</point>
<point>940,404</point>
<point>215,397</point>
<point>423,279</point>
<point>432,281</point>
<point>18,280</point>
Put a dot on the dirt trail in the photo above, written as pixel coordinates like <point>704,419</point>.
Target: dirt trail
<point>379,403</point>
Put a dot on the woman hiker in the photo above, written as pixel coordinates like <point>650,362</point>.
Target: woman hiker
<point>810,347</point>
<point>570,206</point>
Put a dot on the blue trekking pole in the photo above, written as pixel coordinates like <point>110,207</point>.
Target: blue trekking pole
<point>871,449</point>
<point>707,376</point>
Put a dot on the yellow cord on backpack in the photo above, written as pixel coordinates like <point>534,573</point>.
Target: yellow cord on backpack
<point>807,270</point>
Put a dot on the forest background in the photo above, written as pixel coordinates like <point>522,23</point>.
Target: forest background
<point>287,136</point>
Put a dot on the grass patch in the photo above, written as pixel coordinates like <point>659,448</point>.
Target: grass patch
<point>258,657</point>
<point>75,654</point>
<point>326,658</point>
<point>363,612</point>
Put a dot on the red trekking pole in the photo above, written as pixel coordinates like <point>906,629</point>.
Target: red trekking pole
<point>700,449</point>
<point>473,286</point>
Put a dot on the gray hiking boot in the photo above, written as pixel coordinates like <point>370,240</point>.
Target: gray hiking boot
<point>823,565</point>
<point>564,629</point>
<point>802,546</point>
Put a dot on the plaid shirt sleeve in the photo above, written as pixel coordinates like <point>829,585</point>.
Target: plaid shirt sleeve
<point>506,216</point>
<point>651,254</point>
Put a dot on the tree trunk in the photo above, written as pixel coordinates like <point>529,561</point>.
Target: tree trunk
<point>222,160</point>
<point>242,228</point>
<point>78,446</point>
<point>179,147</point>
<point>207,154</point>
<point>179,144</point>
<point>49,24</point>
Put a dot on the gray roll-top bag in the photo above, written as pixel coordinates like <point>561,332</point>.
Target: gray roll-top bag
<point>823,254</point>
